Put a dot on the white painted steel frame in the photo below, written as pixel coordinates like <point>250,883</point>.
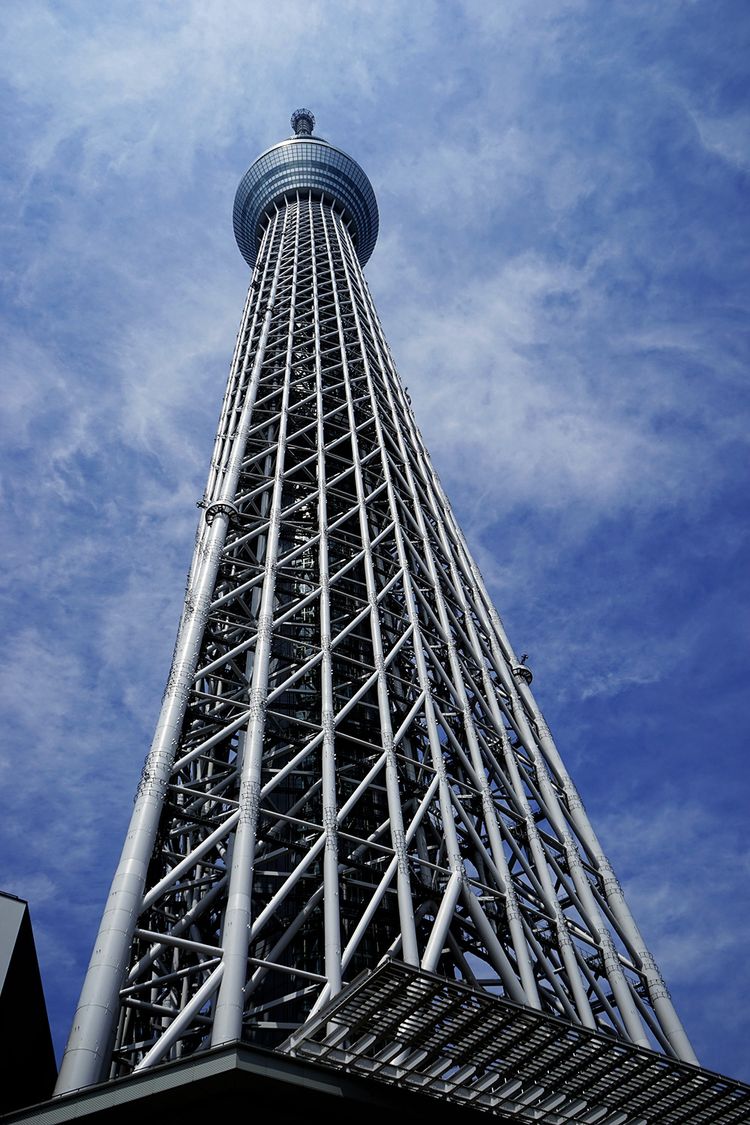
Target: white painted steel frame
<point>349,762</point>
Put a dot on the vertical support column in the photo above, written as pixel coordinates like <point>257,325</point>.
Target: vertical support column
<point>332,924</point>
<point>238,914</point>
<point>94,1024</point>
<point>456,885</point>
<point>518,939</point>
<point>409,948</point>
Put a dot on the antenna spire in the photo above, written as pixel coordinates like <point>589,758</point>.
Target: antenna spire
<point>303,122</point>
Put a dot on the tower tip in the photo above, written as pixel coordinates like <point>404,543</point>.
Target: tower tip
<point>303,122</point>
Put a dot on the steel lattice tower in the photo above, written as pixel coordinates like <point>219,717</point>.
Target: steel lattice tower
<point>350,773</point>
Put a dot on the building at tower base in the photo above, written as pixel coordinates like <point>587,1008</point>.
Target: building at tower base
<point>405,1043</point>
<point>27,1060</point>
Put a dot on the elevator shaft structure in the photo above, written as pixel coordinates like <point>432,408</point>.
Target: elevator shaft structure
<point>349,766</point>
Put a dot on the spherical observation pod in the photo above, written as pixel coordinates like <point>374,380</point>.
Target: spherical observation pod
<point>304,163</point>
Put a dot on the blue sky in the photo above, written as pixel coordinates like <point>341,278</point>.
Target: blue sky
<point>562,276</point>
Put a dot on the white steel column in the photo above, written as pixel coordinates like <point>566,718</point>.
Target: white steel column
<point>238,915</point>
<point>93,1027</point>
<point>405,901</point>
<point>328,750</point>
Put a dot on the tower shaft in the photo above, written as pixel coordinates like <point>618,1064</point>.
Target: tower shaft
<point>349,764</point>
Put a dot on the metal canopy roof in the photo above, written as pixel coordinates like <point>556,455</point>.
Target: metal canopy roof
<point>403,1026</point>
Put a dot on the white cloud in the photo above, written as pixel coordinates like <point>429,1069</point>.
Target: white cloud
<point>729,136</point>
<point>539,411</point>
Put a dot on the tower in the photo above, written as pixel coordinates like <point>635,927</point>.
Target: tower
<point>352,796</point>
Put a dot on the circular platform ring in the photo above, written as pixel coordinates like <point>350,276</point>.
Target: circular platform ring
<point>302,163</point>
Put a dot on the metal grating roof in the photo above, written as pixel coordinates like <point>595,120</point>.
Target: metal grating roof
<point>404,1027</point>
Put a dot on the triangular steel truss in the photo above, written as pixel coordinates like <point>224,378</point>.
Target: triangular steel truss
<point>349,763</point>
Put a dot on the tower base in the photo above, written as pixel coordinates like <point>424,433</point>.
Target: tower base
<point>402,1042</point>
<point>240,1083</point>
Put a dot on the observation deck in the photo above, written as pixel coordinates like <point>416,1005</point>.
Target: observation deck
<point>301,163</point>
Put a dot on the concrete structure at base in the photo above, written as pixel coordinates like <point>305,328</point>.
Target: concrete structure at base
<point>355,847</point>
<point>27,1060</point>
